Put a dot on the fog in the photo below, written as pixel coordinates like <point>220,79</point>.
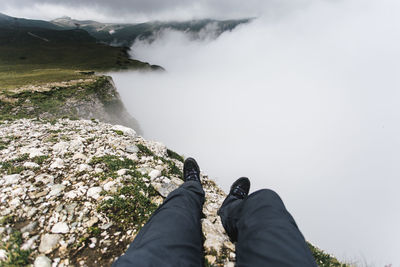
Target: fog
<point>307,104</point>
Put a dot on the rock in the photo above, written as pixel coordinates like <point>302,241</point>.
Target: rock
<point>42,261</point>
<point>60,228</point>
<point>18,191</point>
<point>98,170</point>
<point>211,259</point>
<point>44,178</point>
<point>57,164</point>
<point>48,243</point>
<point>30,243</point>
<point>164,188</point>
<point>127,131</point>
<point>121,172</point>
<point>77,144</point>
<point>71,194</point>
<point>94,192</point>
<point>214,239</point>
<point>133,157</point>
<point>31,165</point>
<point>84,168</point>
<point>93,241</point>
<point>35,152</point>
<point>79,156</point>
<point>229,245</point>
<point>15,202</point>
<point>3,255</point>
<point>109,186</point>
<point>106,226</point>
<point>56,190</point>
<point>30,227</point>
<point>157,200</point>
<point>71,208</point>
<point>11,179</point>
<point>32,212</point>
<point>177,181</point>
<point>92,222</point>
<point>60,148</point>
<point>132,149</point>
<point>154,174</point>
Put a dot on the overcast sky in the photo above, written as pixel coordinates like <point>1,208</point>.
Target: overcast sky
<point>143,10</point>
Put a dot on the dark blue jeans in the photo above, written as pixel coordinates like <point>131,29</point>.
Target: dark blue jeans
<point>265,232</point>
<point>172,236</point>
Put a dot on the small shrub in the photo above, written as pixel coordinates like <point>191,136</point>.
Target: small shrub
<point>15,255</point>
<point>174,155</point>
<point>40,159</point>
<point>144,150</point>
<point>324,259</point>
<point>94,231</point>
<point>118,132</point>
<point>113,163</point>
<point>7,220</point>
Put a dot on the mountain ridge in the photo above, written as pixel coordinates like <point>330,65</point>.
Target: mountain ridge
<point>124,34</point>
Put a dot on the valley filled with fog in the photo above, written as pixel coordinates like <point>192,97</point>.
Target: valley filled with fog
<point>306,104</point>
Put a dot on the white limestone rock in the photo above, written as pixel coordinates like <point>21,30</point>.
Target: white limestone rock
<point>3,255</point>
<point>11,179</point>
<point>154,174</point>
<point>60,148</point>
<point>57,164</point>
<point>60,228</point>
<point>31,165</point>
<point>48,243</point>
<point>56,190</point>
<point>42,261</point>
<point>127,131</point>
<point>94,192</point>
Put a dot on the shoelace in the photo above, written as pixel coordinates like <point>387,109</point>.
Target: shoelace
<point>238,192</point>
<point>192,175</point>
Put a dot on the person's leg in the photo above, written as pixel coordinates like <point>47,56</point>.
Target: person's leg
<point>172,236</point>
<point>266,233</point>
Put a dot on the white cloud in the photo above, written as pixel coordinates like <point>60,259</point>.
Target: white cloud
<point>307,104</point>
<point>144,10</point>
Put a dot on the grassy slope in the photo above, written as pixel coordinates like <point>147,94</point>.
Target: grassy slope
<point>35,56</point>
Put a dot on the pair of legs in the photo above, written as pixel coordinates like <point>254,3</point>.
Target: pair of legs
<point>264,231</point>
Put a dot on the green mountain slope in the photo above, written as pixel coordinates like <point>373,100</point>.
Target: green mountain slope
<point>126,34</point>
<point>37,55</point>
<point>11,22</point>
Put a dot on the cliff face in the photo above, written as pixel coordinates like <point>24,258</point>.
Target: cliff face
<point>92,98</point>
<point>76,192</point>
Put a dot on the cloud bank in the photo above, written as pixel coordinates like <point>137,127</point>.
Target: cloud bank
<point>307,104</point>
<point>144,10</point>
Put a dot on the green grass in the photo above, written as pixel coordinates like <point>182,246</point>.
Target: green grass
<point>40,159</point>
<point>28,104</point>
<point>15,76</point>
<point>118,132</point>
<point>113,163</point>
<point>14,166</point>
<point>26,60</point>
<point>174,155</point>
<point>144,150</point>
<point>15,255</point>
<point>131,205</point>
<point>323,259</point>
<point>4,144</point>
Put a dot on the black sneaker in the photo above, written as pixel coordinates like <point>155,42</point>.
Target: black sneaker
<point>191,171</point>
<point>240,188</point>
